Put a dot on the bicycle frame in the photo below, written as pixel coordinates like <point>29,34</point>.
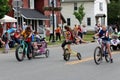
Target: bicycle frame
<point>25,46</point>
<point>102,45</point>
<point>72,52</point>
<point>102,52</point>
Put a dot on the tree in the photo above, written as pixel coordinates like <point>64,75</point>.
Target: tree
<point>114,12</point>
<point>80,13</point>
<point>4,8</point>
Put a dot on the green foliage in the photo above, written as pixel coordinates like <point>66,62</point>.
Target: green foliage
<point>4,8</point>
<point>79,14</point>
<point>114,12</point>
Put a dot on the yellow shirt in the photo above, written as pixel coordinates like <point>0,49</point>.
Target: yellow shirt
<point>25,34</point>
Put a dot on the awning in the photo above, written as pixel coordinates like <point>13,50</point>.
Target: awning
<point>100,15</point>
<point>7,18</point>
<point>32,14</point>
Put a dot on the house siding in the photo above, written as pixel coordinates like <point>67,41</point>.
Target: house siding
<point>39,4</point>
<point>97,11</point>
<point>91,8</point>
<point>25,3</point>
<point>68,11</point>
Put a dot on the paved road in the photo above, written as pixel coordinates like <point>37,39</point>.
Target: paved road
<point>55,68</point>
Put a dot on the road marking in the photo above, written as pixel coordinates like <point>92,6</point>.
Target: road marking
<point>86,59</point>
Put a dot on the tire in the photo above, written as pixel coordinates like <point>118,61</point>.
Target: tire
<point>107,57</point>
<point>98,55</point>
<point>47,53</point>
<point>118,46</point>
<point>114,47</point>
<point>28,55</point>
<point>19,53</point>
<point>79,56</point>
<point>66,55</point>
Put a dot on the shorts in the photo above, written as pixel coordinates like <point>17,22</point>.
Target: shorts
<point>105,41</point>
<point>65,43</point>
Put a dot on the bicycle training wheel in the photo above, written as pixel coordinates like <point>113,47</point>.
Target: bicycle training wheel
<point>79,56</point>
<point>19,53</point>
<point>97,55</point>
<point>66,55</point>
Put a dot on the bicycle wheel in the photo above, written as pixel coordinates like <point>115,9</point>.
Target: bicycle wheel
<point>79,56</point>
<point>107,57</point>
<point>98,55</point>
<point>47,53</point>
<point>66,55</point>
<point>30,55</point>
<point>19,53</point>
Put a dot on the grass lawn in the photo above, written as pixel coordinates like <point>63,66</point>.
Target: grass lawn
<point>87,37</point>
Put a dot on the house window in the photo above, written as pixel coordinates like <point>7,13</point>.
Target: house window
<point>68,21</point>
<point>101,6</point>
<point>50,4</point>
<point>89,21</point>
<point>51,20</point>
<point>31,4</point>
<point>75,6</point>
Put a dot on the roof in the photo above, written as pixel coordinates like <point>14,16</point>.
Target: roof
<point>78,0</point>
<point>100,15</point>
<point>108,1</point>
<point>32,14</point>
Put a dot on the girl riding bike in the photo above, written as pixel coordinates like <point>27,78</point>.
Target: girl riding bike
<point>104,35</point>
<point>68,37</point>
<point>27,33</point>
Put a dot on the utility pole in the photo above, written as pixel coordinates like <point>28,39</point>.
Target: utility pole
<point>17,13</point>
<point>53,19</point>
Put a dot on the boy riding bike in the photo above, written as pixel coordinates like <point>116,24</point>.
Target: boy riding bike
<point>104,35</point>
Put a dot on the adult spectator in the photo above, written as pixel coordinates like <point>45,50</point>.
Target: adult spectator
<point>58,33</point>
<point>24,26</point>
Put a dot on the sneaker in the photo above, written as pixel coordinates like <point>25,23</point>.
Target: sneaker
<point>111,60</point>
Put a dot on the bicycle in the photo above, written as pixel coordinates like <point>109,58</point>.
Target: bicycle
<point>101,52</point>
<point>40,49</point>
<point>22,50</point>
<point>68,52</point>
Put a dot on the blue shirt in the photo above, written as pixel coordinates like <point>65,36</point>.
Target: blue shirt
<point>102,34</point>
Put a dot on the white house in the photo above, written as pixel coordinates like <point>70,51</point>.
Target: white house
<point>95,12</point>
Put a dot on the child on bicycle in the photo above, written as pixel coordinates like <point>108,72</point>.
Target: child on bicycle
<point>104,35</point>
<point>27,33</point>
<point>69,37</point>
